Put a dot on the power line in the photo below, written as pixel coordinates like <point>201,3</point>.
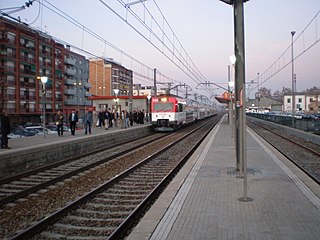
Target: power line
<point>284,60</point>
<point>178,57</point>
<point>70,19</point>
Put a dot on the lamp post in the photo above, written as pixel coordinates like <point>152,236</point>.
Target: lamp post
<point>116,91</point>
<point>78,85</point>
<point>240,89</point>
<point>292,76</point>
<point>236,113</point>
<point>149,107</point>
<point>44,81</point>
<point>230,90</point>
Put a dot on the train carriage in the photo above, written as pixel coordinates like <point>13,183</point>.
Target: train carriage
<point>169,112</point>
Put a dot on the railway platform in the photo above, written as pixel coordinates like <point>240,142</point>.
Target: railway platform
<point>202,201</point>
<point>23,142</point>
<point>27,153</point>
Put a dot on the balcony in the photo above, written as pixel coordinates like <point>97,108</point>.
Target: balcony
<point>46,64</point>
<point>71,71</point>
<point>8,54</point>
<point>87,94</point>
<point>28,46</point>
<point>87,85</point>
<point>87,103</point>
<point>69,81</point>
<point>8,40</point>
<point>70,92</point>
<point>46,52</point>
<point>70,102</point>
<point>27,59</point>
<point>7,69</point>
<point>70,61</point>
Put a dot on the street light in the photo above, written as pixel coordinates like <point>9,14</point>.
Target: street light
<point>240,88</point>
<point>44,81</point>
<point>149,107</point>
<point>116,91</point>
<point>78,86</point>
<point>293,91</point>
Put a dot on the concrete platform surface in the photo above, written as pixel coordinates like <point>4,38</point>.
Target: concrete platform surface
<point>202,202</point>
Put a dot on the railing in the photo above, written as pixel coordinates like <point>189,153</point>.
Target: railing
<point>7,40</point>
<point>70,61</point>
<point>70,91</point>
<point>7,69</point>
<point>305,124</point>
<point>27,59</point>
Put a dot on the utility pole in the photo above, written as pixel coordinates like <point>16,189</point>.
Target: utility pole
<point>240,95</point>
<point>292,75</point>
<point>155,81</point>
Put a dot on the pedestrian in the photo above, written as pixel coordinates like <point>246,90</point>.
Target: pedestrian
<point>88,119</point>
<point>95,119</point>
<point>110,118</point>
<point>100,119</point>
<point>59,123</point>
<point>122,119</point>
<point>115,117</point>
<point>126,125</point>
<point>131,119</point>
<point>106,119</point>
<point>5,129</point>
<point>135,116</point>
<point>73,119</point>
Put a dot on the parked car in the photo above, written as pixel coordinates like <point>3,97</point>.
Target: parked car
<point>22,133</point>
<point>37,129</point>
<point>53,128</point>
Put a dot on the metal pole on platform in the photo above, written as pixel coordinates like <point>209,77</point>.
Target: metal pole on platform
<point>230,102</point>
<point>241,144</point>
<point>292,76</point>
<point>44,81</point>
<point>240,90</point>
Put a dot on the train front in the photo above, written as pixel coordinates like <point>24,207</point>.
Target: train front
<point>163,113</point>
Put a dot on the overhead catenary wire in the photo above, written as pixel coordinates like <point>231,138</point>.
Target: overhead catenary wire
<point>281,63</point>
<point>182,62</point>
<point>83,28</point>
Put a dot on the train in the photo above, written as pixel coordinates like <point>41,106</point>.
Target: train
<point>170,112</point>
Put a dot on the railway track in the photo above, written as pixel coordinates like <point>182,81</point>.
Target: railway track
<point>302,153</point>
<point>29,182</point>
<point>129,191</point>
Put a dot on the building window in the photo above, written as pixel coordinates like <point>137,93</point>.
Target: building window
<point>11,36</point>
<point>311,99</point>
<point>288,100</point>
<point>300,100</point>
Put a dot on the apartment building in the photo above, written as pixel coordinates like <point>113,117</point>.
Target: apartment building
<point>107,75</point>
<point>305,102</point>
<point>26,54</point>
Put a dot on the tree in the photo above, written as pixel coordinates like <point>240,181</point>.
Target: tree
<point>264,92</point>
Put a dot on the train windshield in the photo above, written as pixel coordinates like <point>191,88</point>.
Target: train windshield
<point>157,107</point>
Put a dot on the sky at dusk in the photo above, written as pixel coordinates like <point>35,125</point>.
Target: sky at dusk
<point>204,29</point>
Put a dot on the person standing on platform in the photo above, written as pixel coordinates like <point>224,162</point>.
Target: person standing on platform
<point>115,117</point>
<point>95,118</point>
<point>131,119</point>
<point>73,119</point>
<point>88,119</point>
<point>59,123</point>
<point>5,129</point>
<point>101,118</point>
<point>110,118</point>
<point>106,119</point>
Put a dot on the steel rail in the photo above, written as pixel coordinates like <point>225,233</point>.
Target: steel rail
<point>54,217</point>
